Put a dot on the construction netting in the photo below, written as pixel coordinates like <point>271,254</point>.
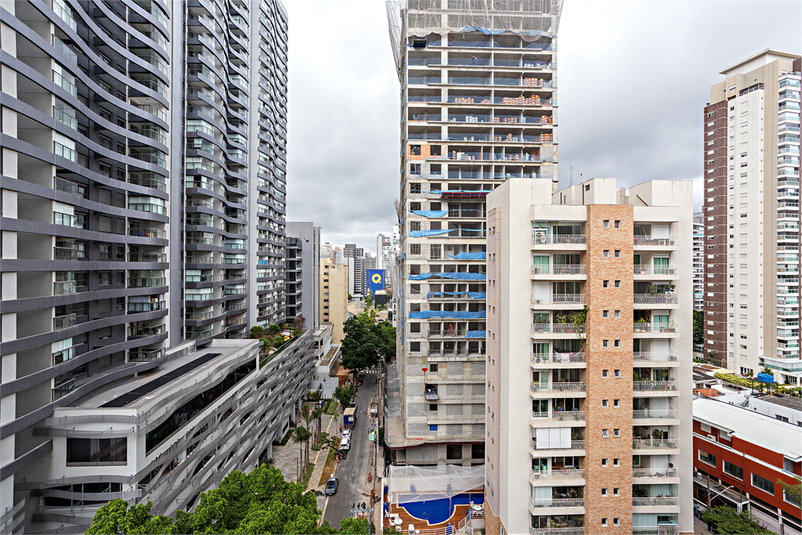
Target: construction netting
<point>530,19</point>
<point>424,483</point>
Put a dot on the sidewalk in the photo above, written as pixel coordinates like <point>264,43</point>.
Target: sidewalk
<point>286,458</point>
<point>329,426</point>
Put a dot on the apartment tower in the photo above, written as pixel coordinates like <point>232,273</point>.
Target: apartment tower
<point>143,183</point>
<point>478,85</point>
<point>333,296</point>
<point>303,273</point>
<point>589,299</point>
<point>698,262</point>
<point>751,216</point>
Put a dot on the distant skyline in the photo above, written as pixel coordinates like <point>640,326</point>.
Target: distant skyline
<point>633,79</point>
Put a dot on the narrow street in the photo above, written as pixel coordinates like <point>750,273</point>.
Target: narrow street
<point>353,470</point>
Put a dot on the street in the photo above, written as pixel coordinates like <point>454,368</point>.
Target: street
<point>353,470</point>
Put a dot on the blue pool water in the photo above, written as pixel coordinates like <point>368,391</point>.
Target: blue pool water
<point>436,510</point>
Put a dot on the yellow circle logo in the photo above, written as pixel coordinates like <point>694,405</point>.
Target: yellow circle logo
<point>376,278</point>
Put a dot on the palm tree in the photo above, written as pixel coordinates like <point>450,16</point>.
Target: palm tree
<point>318,413</point>
<point>301,435</point>
<point>307,415</point>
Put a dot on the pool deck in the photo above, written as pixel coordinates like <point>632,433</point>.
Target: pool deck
<point>460,512</point>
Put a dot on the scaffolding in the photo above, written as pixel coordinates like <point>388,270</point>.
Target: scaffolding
<point>530,19</point>
<point>408,484</point>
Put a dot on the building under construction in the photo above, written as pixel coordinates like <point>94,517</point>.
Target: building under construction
<point>478,98</point>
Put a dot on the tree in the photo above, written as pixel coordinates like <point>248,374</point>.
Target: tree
<point>354,526</point>
<point>274,330</point>
<point>117,518</point>
<point>360,345</point>
<point>368,301</point>
<point>317,414</point>
<point>345,394</point>
<point>698,328</point>
<point>728,521</point>
<point>386,333</point>
<point>793,492</point>
<point>298,323</point>
<point>301,435</point>
<point>257,331</point>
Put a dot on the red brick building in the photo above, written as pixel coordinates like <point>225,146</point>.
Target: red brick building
<point>739,457</point>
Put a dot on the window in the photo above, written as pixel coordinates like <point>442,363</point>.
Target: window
<point>433,406</point>
<point>605,314</point>
<point>454,451</point>
<point>616,491</point>
<point>604,462</point>
<point>617,223</point>
<point>606,253</point>
<point>104,278</point>
<point>617,313</point>
<point>616,461</point>
<point>433,367</point>
<point>617,373</point>
<point>91,451</point>
<point>605,403</point>
<point>604,522</point>
<point>616,522</point>
<point>432,427</point>
<point>636,460</point>
<point>618,253</point>
<point>617,343</point>
<point>616,403</point>
<point>616,433</point>
<point>606,223</point>
<point>605,373</point>
<point>604,492</point>
<point>605,343</point>
<point>605,284</point>
<point>733,470</point>
<point>707,458</point>
<point>605,433</point>
<point>763,484</point>
<point>618,284</point>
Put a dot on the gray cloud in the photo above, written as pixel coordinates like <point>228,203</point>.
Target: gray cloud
<point>634,77</point>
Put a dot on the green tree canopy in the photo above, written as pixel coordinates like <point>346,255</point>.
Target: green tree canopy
<point>698,328</point>
<point>367,341</point>
<point>258,502</point>
<point>728,521</point>
<point>345,394</point>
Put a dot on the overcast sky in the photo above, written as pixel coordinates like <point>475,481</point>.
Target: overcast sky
<point>633,79</point>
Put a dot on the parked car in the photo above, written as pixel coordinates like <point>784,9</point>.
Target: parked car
<point>331,485</point>
<point>698,510</point>
<point>346,434</point>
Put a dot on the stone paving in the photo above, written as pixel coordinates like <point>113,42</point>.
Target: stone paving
<point>286,458</point>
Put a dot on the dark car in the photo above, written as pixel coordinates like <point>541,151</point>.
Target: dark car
<point>331,485</point>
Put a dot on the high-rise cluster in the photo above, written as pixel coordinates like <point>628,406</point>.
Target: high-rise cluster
<point>143,196</point>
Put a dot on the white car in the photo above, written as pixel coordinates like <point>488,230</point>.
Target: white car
<point>346,434</point>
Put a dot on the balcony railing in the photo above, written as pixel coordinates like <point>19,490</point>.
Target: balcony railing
<point>654,472</point>
<point>144,355</point>
<point>653,241</point>
<point>65,287</point>
<point>568,298</point>
<point>64,322</point>
<point>64,388</point>
<point>557,502</point>
<point>654,386</point>
<point>656,299</point>
<point>654,443</point>
<point>558,387</point>
<point>539,358</point>
<point>571,473</point>
<point>645,269</point>
<point>559,239</point>
<point>559,415</point>
<point>654,328</point>
<point>650,356</point>
<point>655,501</point>
<point>556,531</point>
<point>654,413</point>
<point>146,282</point>
<point>147,257</point>
<point>559,269</point>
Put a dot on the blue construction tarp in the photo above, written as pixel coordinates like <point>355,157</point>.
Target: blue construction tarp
<point>487,31</point>
<point>450,275</point>
<point>430,213</point>
<point>469,256</point>
<point>424,233</point>
<point>472,295</point>
<point>475,334</point>
<point>458,314</point>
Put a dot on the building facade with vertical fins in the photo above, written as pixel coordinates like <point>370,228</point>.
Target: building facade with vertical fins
<point>143,197</point>
<point>589,304</point>
<point>751,216</point>
<point>478,107</point>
